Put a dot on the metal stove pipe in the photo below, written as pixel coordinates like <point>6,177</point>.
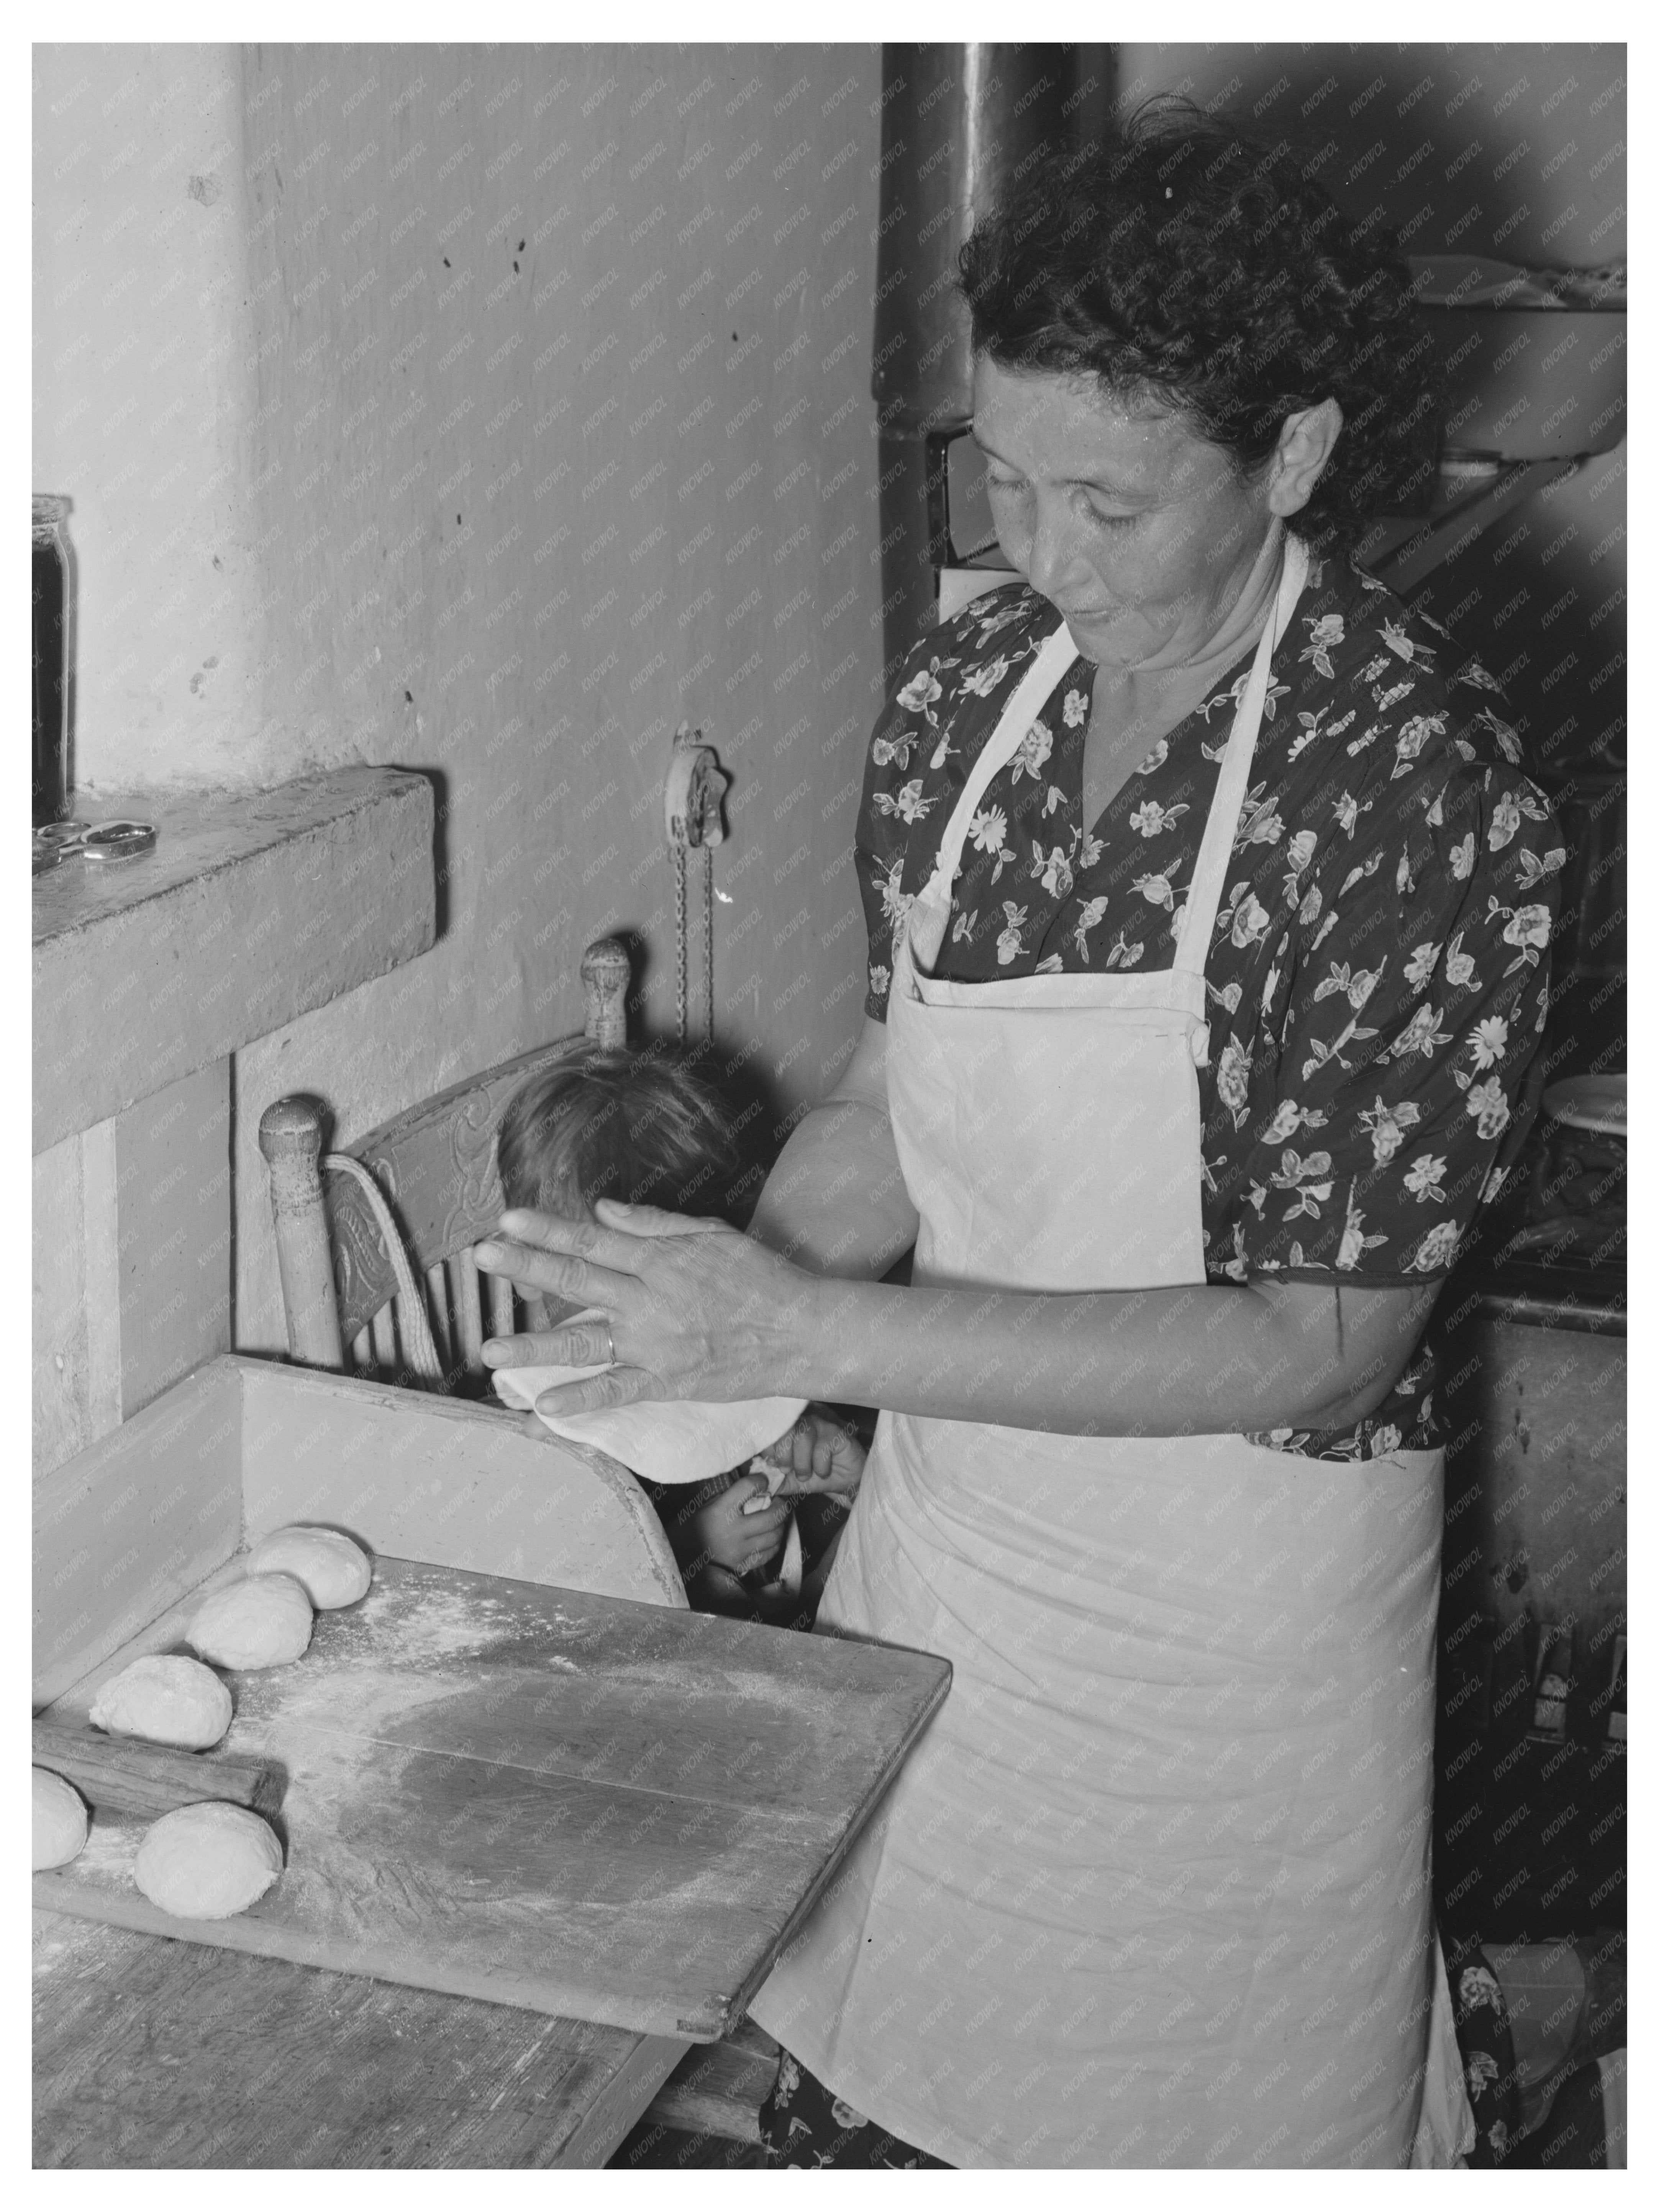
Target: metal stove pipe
<point>958,123</point>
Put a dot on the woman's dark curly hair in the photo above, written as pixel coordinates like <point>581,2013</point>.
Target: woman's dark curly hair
<point>1181,262</point>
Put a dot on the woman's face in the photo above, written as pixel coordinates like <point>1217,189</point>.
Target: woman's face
<point>1139,532</point>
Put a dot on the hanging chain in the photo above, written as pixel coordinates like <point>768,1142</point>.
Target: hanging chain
<point>680,932</point>
<point>708,943</point>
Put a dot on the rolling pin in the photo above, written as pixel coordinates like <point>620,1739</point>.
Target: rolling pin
<point>125,1775</point>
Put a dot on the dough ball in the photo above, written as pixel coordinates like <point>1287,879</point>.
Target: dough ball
<point>165,1700</point>
<point>261,1622</point>
<point>332,1569</point>
<point>206,1862</point>
<point>60,1820</point>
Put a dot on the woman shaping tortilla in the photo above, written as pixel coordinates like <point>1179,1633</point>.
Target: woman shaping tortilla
<point>1208,912</point>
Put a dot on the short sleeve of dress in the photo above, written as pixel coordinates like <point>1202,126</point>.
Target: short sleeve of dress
<point>882,841</point>
<point>897,837</point>
<point>1415,992</point>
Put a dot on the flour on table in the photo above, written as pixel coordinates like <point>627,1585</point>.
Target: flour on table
<point>394,1653</point>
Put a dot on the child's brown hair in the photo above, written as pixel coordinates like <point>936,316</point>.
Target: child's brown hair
<point>606,1123</point>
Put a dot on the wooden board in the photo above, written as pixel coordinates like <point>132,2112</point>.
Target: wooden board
<point>171,1220</point>
<point>430,1478</point>
<point>575,1804</point>
<point>254,907</point>
<point>129,1775</point>
<point>149,2054</point>
<point>129,1525</point>
<point>718,2088</point>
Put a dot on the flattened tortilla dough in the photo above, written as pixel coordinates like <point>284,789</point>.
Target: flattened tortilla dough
<point>165,1700</point>
<point>60,1820</point>
<point>262,1621</point>
<point>206,1862</point>
<point>331,1569</point>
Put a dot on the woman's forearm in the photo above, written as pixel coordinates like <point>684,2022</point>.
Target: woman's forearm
<point>694,1310</point>
<point>1197,1359</point>
<point>1202,1359</point>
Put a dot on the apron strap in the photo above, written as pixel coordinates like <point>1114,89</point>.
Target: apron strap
<point>924,934</point>
<point>1210,870</point>
<point>1054,657</point>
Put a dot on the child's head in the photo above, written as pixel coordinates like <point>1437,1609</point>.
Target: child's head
<point>610,1123</point>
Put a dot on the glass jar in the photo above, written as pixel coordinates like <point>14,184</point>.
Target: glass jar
<point>50,655</point>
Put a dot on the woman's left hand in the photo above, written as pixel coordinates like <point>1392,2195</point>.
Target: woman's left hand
<point>691,1308</point>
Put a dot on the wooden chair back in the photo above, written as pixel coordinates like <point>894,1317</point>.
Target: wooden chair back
<point>347,1287</point>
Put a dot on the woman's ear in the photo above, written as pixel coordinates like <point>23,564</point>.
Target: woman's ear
<point>1306,441</point>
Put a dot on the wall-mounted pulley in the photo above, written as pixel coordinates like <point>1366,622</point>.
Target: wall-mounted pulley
<point>695,787</point>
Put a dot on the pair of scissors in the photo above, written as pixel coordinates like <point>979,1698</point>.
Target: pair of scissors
<point>94,841</point>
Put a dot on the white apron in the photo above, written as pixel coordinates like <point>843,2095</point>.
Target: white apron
<point>1153,1888</point>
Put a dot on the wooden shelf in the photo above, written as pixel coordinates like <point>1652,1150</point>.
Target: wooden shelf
<point>253,908</point>
<point>1400,551</point>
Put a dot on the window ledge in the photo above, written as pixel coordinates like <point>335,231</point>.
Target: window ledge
<point>255,907</point>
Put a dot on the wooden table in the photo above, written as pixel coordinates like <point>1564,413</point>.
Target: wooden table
<point>539,1746</point>
<point>149,2053</point>
<point>506,1804</point>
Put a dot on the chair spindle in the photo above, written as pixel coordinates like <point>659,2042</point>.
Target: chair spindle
<point>468,1315</point>
<point>437,1306</point>
<point>291,1139</point>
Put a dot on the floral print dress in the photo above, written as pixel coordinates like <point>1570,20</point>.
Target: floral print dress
<point>804,2123</point>
<point>1378,975</point>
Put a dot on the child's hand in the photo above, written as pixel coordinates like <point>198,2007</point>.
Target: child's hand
<point>738,1542</point>
<point>820,1455</point>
